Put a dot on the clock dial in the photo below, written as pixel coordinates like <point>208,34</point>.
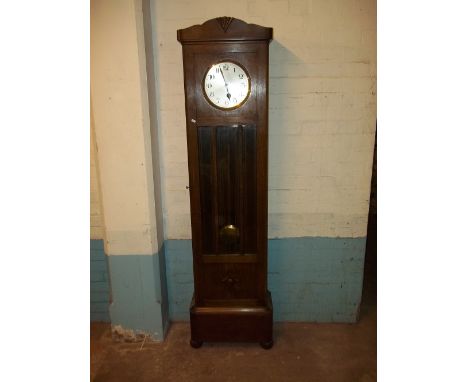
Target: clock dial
<point>226,85</point>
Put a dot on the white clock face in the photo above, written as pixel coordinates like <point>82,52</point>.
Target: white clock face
<point>226,85</point>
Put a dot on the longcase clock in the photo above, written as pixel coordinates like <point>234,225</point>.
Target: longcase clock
<point>226,106</point>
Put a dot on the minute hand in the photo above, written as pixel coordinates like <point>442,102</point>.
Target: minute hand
<point>225,83</point>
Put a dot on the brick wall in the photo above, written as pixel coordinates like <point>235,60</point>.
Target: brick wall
<point>322,111</point>
<point>322,123</point>
<point>100,291</point>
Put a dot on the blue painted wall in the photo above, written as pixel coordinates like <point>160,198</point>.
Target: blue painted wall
<point>100,291</point>
<point>311,279</point>
<point>316,279</point>
<point>179,274</point>
<point>139,296</point>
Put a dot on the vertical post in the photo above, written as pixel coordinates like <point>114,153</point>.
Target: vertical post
<point>130,190</point>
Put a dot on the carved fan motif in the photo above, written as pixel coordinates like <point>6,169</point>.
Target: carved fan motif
<point>231,283</point>
<point>224,22</point>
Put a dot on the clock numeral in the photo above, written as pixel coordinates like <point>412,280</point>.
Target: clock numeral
<point>212,76</point>
<point>241,76</point>
<point>217,70</point>
<point>226,67</point>
<point>211,94</point>
<point>234,69</point>
<point>235,100</point>
<point>209,86</point>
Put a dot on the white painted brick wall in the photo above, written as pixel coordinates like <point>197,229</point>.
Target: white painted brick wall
<point>322,111</point>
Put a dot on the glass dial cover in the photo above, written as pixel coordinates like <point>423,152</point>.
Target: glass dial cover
<point>226,85</point>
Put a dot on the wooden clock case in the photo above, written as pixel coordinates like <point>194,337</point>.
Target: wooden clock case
<point>228,175</point>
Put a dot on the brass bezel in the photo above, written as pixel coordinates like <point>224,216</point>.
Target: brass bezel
<point>248,82</point>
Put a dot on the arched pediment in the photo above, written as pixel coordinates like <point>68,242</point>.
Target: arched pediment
<point>227,29</point>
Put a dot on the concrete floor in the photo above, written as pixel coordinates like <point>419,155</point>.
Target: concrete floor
<point>302,351</point>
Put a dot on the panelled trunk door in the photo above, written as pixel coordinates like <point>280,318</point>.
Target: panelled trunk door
<point>227,174</point>
<point>228,210</point>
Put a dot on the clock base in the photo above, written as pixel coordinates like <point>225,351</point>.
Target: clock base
<point>232,324</point>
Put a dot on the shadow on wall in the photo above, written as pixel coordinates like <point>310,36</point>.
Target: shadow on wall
<point>281,124</point>
<point>279,120</point>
